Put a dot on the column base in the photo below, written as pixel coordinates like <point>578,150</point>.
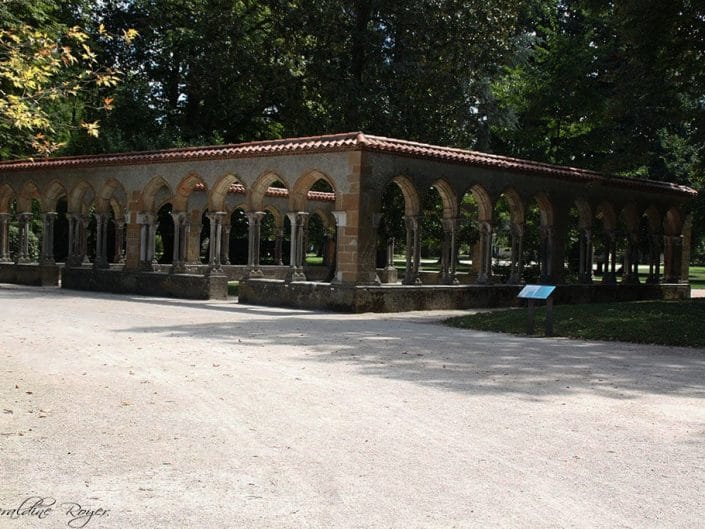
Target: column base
<point>295,274</point>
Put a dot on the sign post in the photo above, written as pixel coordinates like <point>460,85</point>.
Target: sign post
<point>532,293</point>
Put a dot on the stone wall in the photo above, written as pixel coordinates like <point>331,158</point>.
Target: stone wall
<point>30,274</point>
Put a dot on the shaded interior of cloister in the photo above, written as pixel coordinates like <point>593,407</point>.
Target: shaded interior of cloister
<point>361,226</point>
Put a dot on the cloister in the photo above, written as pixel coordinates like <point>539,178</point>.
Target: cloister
<point>183,222</point>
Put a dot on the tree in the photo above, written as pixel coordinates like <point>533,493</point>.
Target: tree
<point>47,70</point>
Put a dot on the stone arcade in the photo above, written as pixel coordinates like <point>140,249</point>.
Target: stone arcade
<point>110,209</point>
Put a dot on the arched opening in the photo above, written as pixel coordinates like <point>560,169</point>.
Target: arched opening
<point>164,239</point>
<point>431,234</point>
<point>239,231</point>
<point>271,239</point>
<point>391,233</point>
<point>502,241</point>
<point>573,249</point>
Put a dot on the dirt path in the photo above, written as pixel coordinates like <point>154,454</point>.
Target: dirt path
<point>181,414</point>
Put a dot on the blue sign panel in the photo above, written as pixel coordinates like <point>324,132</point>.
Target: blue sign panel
<point>536,291</point>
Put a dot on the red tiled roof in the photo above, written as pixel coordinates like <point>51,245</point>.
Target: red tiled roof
<point>341,142</point>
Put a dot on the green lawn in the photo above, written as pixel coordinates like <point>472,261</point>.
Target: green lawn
<point>657,322</point>
<point>233,287</point>
<point>696,275</point>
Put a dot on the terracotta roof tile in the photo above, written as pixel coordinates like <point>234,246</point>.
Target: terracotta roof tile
<point>342,142</point>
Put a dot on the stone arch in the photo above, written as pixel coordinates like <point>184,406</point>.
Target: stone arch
<point>216,198</point>
<point>259,189</point>
<point>325,216</point>
<point>6,196</point>
<point>630,217</point>
<point>584,213</point>
<point>299,196</point>
<point>111,196</point>
<point>54,192</point>
<point>278,216</point>
<point>184,189</point>
<point>485,205</point>
<point>28,192</point>
<point>653,215</point>
<point>155,194</point>
<point>516,205</point>
<point>606,213</point>
<point>450,201</point>
<point>81,197</point>
<point>545,208</point>
<point>412,201</point>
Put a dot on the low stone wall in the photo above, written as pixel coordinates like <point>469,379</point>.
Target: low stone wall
<point>30,274</point>
<point>398,298</point>
<point>187,286</point>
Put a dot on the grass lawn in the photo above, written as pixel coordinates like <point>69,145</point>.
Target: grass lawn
<point>233,287</point>
<point>696,275</point>
<point>654,322</point>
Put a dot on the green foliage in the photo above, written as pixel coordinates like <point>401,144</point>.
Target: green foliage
<point>657,322</point>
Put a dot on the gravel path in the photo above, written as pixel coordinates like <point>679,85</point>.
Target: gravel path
<point>185,414</point>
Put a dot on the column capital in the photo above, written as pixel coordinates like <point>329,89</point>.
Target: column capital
<point>341,218</point>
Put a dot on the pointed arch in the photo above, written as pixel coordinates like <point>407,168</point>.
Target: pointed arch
<point>653,216</point>
<point>259,189</point>
<point>278,217</point>
<point>155,194</point>
<point>299,196</point>
<point>28,192</point>
<point>584,213</point>
<point>545,208</point>
<point>54,192</point>
<point>630,217</point>
<point>111,195</point>
<point>673,222</point>
<point>6,196</point>
<point>485,205</point>
<point>516,205</point>
<point>606,213</point>
<point>184,189</point>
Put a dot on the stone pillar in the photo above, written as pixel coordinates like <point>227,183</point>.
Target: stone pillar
<point>546,257</point>
<point>672,251</point>
<point>278,244</point>
<point>22,255</point>
<point>516,268</point>
<point>119,242</point>
<point>216,235</point>
<point>449,256</point>
<point>413,249</point>
<point>148,232</point>
<point>47,257</point>
<point>484,276</point>
<point>225,242</point>
<point>341,219</point>
<point>254,224</point>
<point>655,241</point>
<point>585,263</point>
<point>609,274</point>
<point>296,271</point>
<point>179,250</point>
<point>631,259</point>
<point>5,238</point>
<point>101,240</point>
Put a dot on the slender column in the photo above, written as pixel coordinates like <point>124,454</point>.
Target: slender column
<point>413,250</point>
<point>610,244</point>
<point>449,256</point>
<point>631,259</point>
<point>119,241</point>
<point>585,264</point>
<point>546,253</point>
<point>485,273</point>
<point>341,222</point>
<point>47,257</point>
<point>4,238</point>
<point>296,272</point>
<point>177,262</point>
<point>148,232</point>
<point>254,219</point>
<point>101,244</point>
<point>516,269</point>
<point>225,242</point>
<point>216,234</point>
<point>676,256</point>
<point>278,243</point>
<point>23,250</point>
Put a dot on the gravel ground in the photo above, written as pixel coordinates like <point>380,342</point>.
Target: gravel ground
<point>189,414</point>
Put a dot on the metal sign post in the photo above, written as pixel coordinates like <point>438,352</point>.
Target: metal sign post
<point>531,293</point>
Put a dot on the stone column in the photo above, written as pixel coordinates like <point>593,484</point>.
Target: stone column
<point>296,271</point>
<point>148,232</point>
<point>516,268</point>
<point>101,241</point>
<point>177,256</point>
<point>278,243</point>
<point>672,252</point>
<point>23,251</point>
<point>449,256</point>
<point>254,224</point>
<point>610,243</point>
<point>225,242</point>
<point>654,259</point>
<point>119,242</point>
<point>631,259</point>
<point>5,238</point>
<point>585,263</point>
<point>47,257</point>
<point>341,220</point>
<point>546,257</point>
<point>413,249</point>
<point>83,221</point>
<point>216,234</point>
<point>484,276</point>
